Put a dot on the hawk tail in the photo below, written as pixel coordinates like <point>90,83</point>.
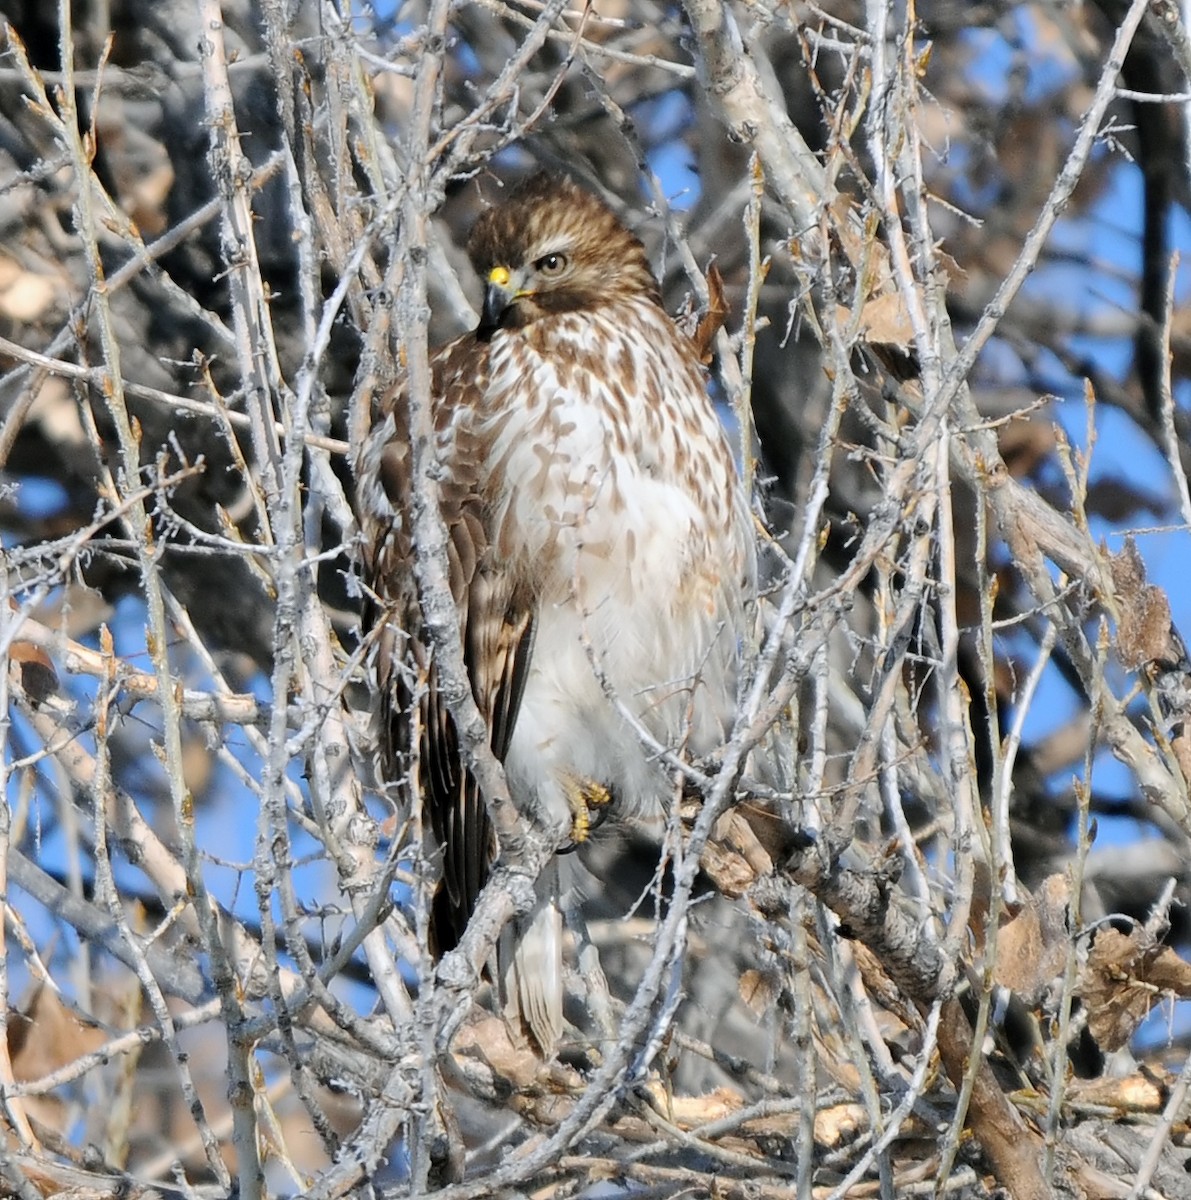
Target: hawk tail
<point>529,963</point>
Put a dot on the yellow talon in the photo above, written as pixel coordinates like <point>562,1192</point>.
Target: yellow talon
<point>583,795</point>
<point>595,795</point>
<point>580,822</point>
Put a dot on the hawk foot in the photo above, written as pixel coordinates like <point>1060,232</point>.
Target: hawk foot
<point>589,802</point>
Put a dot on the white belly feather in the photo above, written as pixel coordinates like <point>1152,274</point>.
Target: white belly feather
<point>636,534</point>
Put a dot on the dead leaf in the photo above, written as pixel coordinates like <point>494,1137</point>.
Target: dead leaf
<point>885,321</point>
<point>1143,612</point>
<point>1125,977</point>
<point>43,1037</point>
<point>1032,945</point>
<point>712,319</point>
<point>48,1035</point>
<point>758,990</point>
<point>1025,444</point>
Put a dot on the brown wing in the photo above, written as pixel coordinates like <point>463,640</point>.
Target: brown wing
<point>496,626</point>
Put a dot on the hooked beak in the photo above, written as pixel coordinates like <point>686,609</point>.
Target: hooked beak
<point>499,292</point>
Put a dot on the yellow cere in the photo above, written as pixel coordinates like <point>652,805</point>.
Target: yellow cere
<point>499,276</point>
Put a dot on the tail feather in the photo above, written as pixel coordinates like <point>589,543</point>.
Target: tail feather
<point>529,960</point>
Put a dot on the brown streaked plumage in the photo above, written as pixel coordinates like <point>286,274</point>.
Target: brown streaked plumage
<point>593,510</point>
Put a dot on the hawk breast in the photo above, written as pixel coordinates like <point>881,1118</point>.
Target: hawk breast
<point>611,493</point>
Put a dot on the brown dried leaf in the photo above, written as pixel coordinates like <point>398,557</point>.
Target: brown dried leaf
<point>143,197</point>
<point>1025,444</point>
<point>1032,945</point>
<point>1143,612</point>
<point>712,319</point>
<point>1125,977</point>
<point>884,321</point>
<point>198,764</point>
<point>48,1035</point>
<point>758,990</point>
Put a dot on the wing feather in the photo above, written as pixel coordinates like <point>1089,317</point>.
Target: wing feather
<point>496,625</point>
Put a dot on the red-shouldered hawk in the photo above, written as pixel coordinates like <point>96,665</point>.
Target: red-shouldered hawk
<point>594,512</point>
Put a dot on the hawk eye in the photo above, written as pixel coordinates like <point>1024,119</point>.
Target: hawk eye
<point>551,265</point>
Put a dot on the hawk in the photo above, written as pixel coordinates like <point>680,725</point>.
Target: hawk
<point>601,556</point>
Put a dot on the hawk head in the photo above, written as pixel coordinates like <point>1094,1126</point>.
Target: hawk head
<point>552,247</point>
